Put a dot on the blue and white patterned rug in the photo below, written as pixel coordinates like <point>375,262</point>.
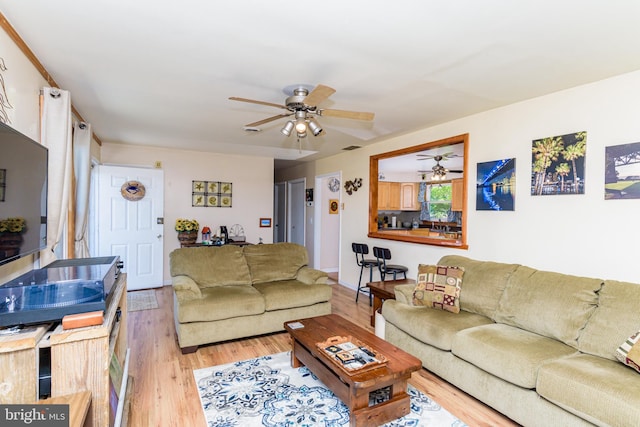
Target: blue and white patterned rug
<point>267,391</point>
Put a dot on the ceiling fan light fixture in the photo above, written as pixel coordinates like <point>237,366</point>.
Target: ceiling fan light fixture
<point>314,127</point>
<point>301,126</point>
<point>288,127</point>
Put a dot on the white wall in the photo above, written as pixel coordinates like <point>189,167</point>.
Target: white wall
<point>22,83</point>
<point>329,237</point>
<point>252,179</point>
<point>576,234</point>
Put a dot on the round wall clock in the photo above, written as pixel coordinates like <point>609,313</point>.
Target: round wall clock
<point>132,190</point>
<point>334,184</point>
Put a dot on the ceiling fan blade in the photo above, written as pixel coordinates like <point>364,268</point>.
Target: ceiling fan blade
<point>253,101</point>
<point>318,94</point>
<point>344,114</point>
<point>267,120</point>
<point>456,171</point>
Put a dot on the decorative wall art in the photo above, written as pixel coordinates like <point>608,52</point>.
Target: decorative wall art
<point>211,194</point>
<point>496,185</point>
<point>557,164</point>
<point>3,183</point>
<point>351,186</point>
<point>333,206</point>
<point>133,191</point>
<point>308,195</point>
<point>622,171</point>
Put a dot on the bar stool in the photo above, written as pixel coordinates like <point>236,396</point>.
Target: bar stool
<point>362,249</point>
<point>382,255</point>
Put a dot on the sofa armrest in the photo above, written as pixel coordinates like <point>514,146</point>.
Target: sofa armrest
<point>186,288</point>
<point>404,293</point>
<point>311,276</point>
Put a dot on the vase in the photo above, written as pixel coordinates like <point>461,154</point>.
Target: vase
<point>187,237</point>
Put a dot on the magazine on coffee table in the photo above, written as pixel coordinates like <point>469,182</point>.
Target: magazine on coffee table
<point>351,355</point>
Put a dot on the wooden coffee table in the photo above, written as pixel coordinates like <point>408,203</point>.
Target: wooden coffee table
<point>353,388</point>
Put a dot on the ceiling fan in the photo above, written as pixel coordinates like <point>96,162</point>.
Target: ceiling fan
<point>438,172</point>
<point>303,106</point>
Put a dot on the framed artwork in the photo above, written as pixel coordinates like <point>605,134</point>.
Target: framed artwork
<point>265,222</point>
<point>333,206</point>
<point>557,164</point>
<point>213,194</point>
<point>308,195</point>
<point>3,183</point>
<point>622,171</point>
<point>496,185</point>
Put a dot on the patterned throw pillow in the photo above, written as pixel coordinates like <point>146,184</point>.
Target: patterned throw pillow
<point>629,352</point>
<point>438,287</point>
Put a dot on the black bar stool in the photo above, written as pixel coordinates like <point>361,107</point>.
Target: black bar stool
<point>382,255</point>
<point>362,249</point>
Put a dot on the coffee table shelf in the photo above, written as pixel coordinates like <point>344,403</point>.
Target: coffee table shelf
<point>353,388</point>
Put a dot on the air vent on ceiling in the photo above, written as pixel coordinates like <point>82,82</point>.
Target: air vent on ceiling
<point>351,147</point>
<point>251,129</point>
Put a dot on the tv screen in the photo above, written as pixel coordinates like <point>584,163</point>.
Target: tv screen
<point>23,195</point>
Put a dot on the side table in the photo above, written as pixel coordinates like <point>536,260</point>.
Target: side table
<point>382,291</point>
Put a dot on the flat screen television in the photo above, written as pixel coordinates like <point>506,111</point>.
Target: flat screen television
<point>23,195</point>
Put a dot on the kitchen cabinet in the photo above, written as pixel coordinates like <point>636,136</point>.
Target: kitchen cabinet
<point>457,195</point>
<point>389,196</point>
<point>409,196</point>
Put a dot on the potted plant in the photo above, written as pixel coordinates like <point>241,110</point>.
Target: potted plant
<point>187,231</point>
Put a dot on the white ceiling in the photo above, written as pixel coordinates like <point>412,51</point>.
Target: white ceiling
<point>159,73</point>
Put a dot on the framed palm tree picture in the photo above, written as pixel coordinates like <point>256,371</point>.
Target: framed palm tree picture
<point>557,164</point>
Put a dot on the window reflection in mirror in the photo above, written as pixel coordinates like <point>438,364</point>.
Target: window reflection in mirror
<point>418,194</point>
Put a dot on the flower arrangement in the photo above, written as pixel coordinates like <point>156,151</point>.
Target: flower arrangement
<point>13,225</point>
<point>187,225</point>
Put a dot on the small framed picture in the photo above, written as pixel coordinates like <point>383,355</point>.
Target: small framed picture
<point>265,222</point>
<point>333,206</point>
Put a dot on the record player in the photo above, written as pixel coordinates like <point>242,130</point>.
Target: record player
<point>63,287</point>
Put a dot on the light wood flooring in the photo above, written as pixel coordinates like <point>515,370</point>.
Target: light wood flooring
<point>165,393</point>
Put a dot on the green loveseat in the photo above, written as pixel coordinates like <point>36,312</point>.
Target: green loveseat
<point>537,346</point>
<point>230,292</point>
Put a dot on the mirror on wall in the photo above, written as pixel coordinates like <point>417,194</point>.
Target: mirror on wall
<point>419,194</point>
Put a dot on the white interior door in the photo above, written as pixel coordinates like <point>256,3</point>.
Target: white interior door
<point>132,229</point>
<point>296,209</point>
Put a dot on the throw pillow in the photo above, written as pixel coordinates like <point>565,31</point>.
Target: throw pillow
<point>438,286</point>
<point>629,352</point>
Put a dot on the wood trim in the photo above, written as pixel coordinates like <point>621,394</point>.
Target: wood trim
<point>13,34</point>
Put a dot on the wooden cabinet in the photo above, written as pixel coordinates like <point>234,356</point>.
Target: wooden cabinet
<point>457,195</point>
<point>409,196</point>
<point>80,358</point>
<point>389,196</point>
<point>398,196</point>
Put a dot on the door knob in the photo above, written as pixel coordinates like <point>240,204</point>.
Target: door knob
<point>159,236</point>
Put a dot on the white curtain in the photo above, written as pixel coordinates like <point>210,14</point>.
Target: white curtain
<point>56,136</point>
<point>82,170</point>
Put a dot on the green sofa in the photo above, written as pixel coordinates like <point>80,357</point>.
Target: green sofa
<point>537,346</point>
<point>230,292</point>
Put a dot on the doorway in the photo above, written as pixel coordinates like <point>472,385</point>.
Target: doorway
<point>296,211</point>
<point>327,222</point>
<point>279,213</point>
<point>131,229</point>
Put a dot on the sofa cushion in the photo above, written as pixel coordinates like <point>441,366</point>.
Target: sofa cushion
<point>292,293</point>
<point>438,286</point>
<point>222,302</point>
<point>484,282</point>
<point>509,353</point>
<point>551,304</point>
<point>211,266</point>
<point>615,319</point>
<point>434,327</point>
<point>629,352</point>
<point>273,262</point>
<point>594,387</point>
<point>186,288</point>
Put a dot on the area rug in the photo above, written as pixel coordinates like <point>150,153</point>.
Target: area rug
<point>142,300</point>
<point>267,391</point>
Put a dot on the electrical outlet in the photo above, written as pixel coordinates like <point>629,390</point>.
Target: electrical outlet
<point>158,164</point>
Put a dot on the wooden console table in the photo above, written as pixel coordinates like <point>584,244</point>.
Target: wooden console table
<point>382,291</point>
